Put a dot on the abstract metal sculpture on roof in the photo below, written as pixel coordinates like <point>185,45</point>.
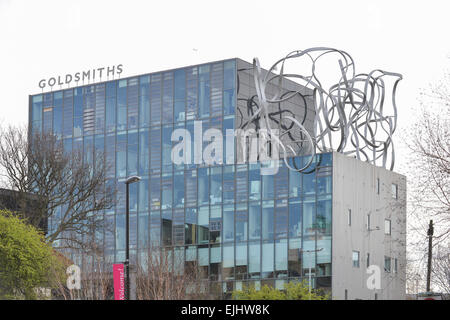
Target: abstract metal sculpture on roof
<point>355,115</point>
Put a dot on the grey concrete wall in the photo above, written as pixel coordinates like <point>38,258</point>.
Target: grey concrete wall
<point>355,188</point>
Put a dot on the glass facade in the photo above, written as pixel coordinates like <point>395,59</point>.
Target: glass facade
<point>240,226</point>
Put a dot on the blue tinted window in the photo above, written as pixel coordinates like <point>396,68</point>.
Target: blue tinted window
<point>215,224</point>
<point>295,227</point>
<point>133,198</point>
<point>254,221</point>
<point>228,261</point>
<point>121,155</point>
<point>120,231</point>
<point>229,74</point>
<point>143,195</point>
<point>191,188</point>
<point>144,101</point>
<point>167,101</point>
<point>178,196</point>
<point>268,220</point>
<point>295,178</point>
<point>167,192</point>
<point>309,216</point>
<point>204,91</point>
<point>241,222</point>
<point>166,227</point>
<point>100,108</point>
<point>267,186</point>
<point>167,148</point>
<point>216,185</point>
<point>254,183</point>
<point>57,113</point>
<point>323,217</point>
<point>155,99</point>
<point>155,228</point>
<point>325,159</point>
<point>241,260</point>
<point>281,257</point>
<point>132,153</point>
<point>309,182</point>
<point>179,110</point>
<point>180,84</point>
<point>122,105</point>
<point>190,227</point>
<point>132,103</point>
<point>110,114</point>
<point>36,109</point>
<point>281,218</point>
<point>267,260</point>
<point>229,101</point>
<point>78,102</point>
<point>203,224</point>
<point>144,153</point>
<point>228,184</point>
<point>155,192</point>
<point>203,186</point>
<point>254,266</point>
<point>68,113</point>
<point>99,147</point>
<point>228,223</point>
<point>155,149</point>
<point>191,93</point>
<point>143,234</point>
<point>229,95</point>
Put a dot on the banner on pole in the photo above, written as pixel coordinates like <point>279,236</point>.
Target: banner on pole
<point>119,281</point>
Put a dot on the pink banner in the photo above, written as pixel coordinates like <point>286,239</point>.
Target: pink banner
<point>119,281</point>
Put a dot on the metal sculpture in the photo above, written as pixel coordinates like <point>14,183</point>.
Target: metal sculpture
<point>351,116</point>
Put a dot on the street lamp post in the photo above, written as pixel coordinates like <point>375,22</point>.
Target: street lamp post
<point>129,181</point>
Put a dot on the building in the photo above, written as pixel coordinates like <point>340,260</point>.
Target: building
<point>329,222</point>
<point>22,204</point>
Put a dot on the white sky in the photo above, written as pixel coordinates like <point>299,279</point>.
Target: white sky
<point>45,38</point>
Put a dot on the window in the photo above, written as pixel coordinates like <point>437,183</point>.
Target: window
<point>395,265</point>
<point>368,222</point>
<point>268,220</point>
<point>378,185</point>
<point>387,264</point>
<point>367,260</point>
<point>387,226</point>
<point>349,217</point>
<point>295,227</point>
<point>394,190</point>
<point>346,294</point>
<point>254,222</point>
<point>355,258</point>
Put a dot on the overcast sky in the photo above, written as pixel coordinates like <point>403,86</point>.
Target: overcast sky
<point>41,39</point>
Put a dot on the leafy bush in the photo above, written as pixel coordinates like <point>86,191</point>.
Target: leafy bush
<point>27,263</point>
<point>292,291</point>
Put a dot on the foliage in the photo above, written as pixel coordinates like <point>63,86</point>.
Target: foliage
<point>25,259</point>
<point>292,291</point>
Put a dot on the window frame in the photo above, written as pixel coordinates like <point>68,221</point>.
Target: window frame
<point>387,232</point>
<point>353,259</point>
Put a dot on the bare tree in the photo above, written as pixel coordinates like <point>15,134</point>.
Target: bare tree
<point>96,279</point>
<point>429,181</point>
<point>162,274</point>
<point>441,268</point>
<point>69,187</point>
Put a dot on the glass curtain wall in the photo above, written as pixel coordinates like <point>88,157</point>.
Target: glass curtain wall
<point>240,226</point>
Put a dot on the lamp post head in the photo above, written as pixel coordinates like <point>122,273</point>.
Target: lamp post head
<point>132,179</point>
